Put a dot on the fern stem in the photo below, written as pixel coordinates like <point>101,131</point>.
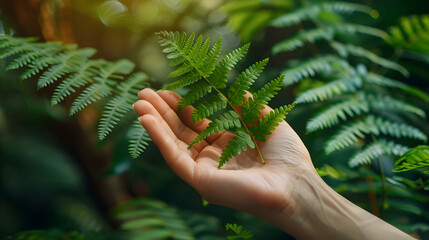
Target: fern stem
<point>241,119</point>
<point>383,182</point>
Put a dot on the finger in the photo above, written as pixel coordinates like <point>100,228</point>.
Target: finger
<point>182,132</point>
<point>174,151</point>
<point>143,107</point>
<point>172,98</point>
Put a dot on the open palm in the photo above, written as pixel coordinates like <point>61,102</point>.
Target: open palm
<point>244,183</point>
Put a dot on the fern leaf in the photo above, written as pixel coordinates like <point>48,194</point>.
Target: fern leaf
<point>234,148</point>
<point>250,110</point>
<point>302,37</point>
<point>412,33</point>
<point>384,102</point>
<point>312,12</point>
<point>332,115</point>
<point>311,67</point>
<point>39,50</point>
<point>91,94</point>
<point>415,158</point>
<point>180,52</point>
<point>114,71</point>
<point>113,111</point>
<point>120,105</point>
<point>139,140</point>
<point>328,90</point>
<point>83,75</point>
<point>376,79</point>
<point>345,49</point>
<point>347,136</point>
<point>350,134</point>
<point>213,104</point>
<point>326,33</point>
<point>243,82</point>
<point>66,64</point>
<point>223,122</point>
<point>270,121</point>
<point>197,91</point>
<point>220,73</point>
<point>152,219</point>
<point>375,150</point>
<point>36,66</point>
<point>238,230</point>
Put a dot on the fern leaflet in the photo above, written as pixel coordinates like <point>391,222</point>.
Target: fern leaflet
<point>415,158</point>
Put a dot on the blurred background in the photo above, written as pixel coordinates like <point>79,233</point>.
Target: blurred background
<point>54,173</point>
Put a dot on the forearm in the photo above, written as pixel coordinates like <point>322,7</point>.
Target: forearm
<point>318,212</point>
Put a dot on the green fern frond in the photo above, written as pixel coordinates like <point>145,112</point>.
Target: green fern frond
<point>67,62</point>
<point>75,71</point>
<point>208,77</point>
<point>120,105</point>
<point>39,51</point>
<point>332,115</point>
<point>412,33</point>
<point>205,109</point>
<point>251,108</point>
<point>91,94</point>
<point>349,49</point>
<point>311,67</point>
<point>83,75</point>
<point>327,91</point>
<point>220,74</point>
<point>238,230</point>
<point>243,82</point>
<point>350,134</point>
<point>312,12</point>
<point>139,139</point>
<point>376,79</point>
<point>394,129</point>
<point>152,219</point>
<point>269,122</point>
<point>302,37</point>
<point>234,148</point>
<point>375,150</point>
<point>326,33</point>
<point>223,122</point>
<point>385,102</point>
<point>415,158</point>
<point>196,91</point>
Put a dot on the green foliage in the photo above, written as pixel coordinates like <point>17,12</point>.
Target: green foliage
<point>411,34</point>
<point>415,158</point>
<point>153,219</point>
<point>249,16</point>
<point>354,98</point>
<point>52,235</point>
<point>238,230</point>
<point>88,79</point>
<point>198,65</point>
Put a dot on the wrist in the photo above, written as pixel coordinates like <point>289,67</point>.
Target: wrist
<point>316,211</point>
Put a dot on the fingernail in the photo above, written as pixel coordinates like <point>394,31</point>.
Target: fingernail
<point>140,118</point>
<point>134,105</point>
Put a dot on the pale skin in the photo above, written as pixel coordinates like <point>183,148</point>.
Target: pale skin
<point>286,190</point>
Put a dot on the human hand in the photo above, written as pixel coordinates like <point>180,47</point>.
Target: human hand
<point>244,183</point>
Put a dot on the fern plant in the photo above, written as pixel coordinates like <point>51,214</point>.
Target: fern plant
<point>199,67</point>
<point>356,95</point>
<point>368,115</point>
<point>415,158</point>
<point>238,230</point>
<point>73,72</point>
<point>153,219</point>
